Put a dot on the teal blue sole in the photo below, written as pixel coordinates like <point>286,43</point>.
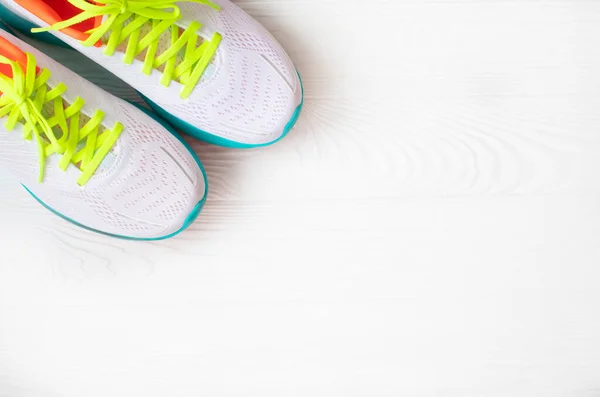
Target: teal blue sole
<point>3,26</point>
<point>189,219</point>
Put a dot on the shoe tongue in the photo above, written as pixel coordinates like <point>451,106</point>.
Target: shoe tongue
<point>164,42</point>
<point>13,53</point>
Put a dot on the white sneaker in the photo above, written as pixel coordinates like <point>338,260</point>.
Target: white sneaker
<point>206,66</point>
<point>90,157</point>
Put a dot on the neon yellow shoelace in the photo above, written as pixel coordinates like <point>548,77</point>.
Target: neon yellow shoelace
<point>23,98</point>
<point>162,15</point>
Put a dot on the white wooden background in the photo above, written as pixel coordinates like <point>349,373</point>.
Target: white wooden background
<point>430,228</point>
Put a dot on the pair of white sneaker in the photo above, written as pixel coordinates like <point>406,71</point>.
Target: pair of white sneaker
<point>205,67</point>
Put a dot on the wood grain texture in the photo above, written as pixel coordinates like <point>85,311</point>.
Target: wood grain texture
<point>431,227</point>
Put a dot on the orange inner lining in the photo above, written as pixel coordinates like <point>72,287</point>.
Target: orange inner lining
<point>54,11</point>
<point>12,52</point>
